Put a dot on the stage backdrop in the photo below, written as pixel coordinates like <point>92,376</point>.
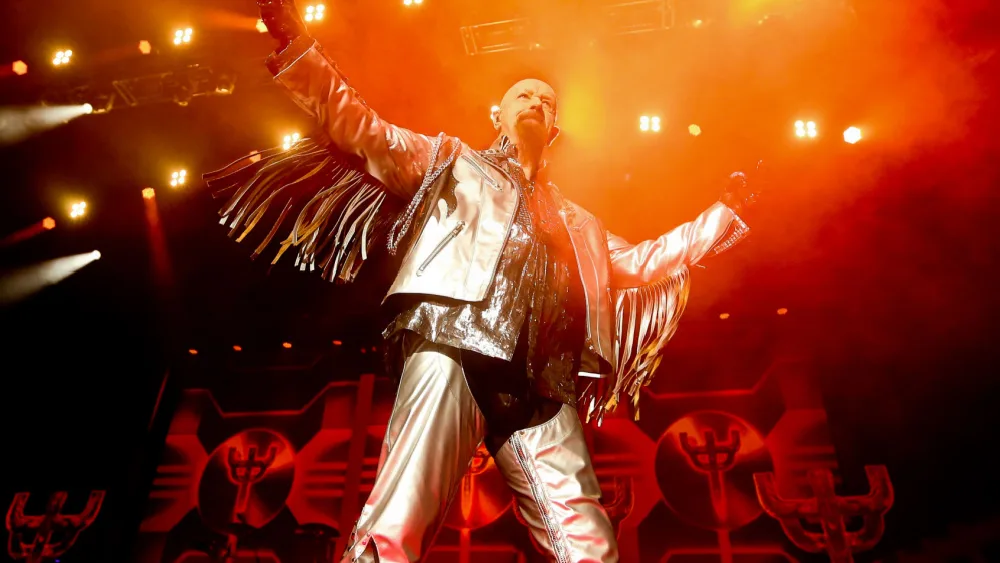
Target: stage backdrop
<point>743,475</point>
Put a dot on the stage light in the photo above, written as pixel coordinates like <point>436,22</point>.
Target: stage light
<point>145,47</point>
<point>286,345</point>
<point>96,255</point>
<point>412,2</point>
<point>852,135</point>
<point>148,193</point>
<point>48,223</point>
<point>62,57</point>
<point>87,108</point>
<point>237,348</point>
<point>782,311</point>
<point>805,129</point>
<point>261,26</point>
<point>315,12</point>
<point>724,316</point>
<point>78,210</point>
<point>289,140</point>
<point>649,123</point>
<point>20,68</point>
<point>193,352</point>
<point>183,36</point>
<point>694,130</point>
<point>337,343</point>
<point>178,178</point>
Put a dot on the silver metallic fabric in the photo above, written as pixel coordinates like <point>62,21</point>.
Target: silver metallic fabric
<point>433,433</point>
<point>457,250</point>
<point>557,492</point>
<point>535,295</point>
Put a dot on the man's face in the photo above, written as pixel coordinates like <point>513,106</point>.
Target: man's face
<point>528,113</point>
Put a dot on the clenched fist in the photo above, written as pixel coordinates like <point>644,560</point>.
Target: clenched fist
<point>283,20</point>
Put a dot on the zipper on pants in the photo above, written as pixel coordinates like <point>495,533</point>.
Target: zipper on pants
<point>440,246</point>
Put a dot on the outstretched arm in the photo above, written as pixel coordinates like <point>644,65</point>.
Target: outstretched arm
<point>395,156</point>
<point>715,230</point>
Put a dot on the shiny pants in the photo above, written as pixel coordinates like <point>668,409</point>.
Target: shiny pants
<point>436,427</point>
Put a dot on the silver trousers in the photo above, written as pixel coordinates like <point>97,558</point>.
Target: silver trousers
<point>433,433</point>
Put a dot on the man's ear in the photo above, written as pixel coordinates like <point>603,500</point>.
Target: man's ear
<point>553,133</point>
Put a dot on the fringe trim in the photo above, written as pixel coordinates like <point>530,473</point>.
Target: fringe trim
<point>332,209</point>
<point>647,318</point>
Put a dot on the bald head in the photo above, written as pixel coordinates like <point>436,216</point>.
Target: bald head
<point>527,114</point>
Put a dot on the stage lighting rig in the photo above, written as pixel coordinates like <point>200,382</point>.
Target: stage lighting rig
<point>804,129</point>
<point>178,178</point>
<point>616,18</point>
<point>183,36</point>
<point>148,193</point>
<point>649,123</point>
<point>78,210</point>
<point>315,12</point>
<point>289,141</point>
<point>61,58</point>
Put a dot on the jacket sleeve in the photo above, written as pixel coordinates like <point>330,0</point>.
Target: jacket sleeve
<point>712,232</point>
<point>393,155</point>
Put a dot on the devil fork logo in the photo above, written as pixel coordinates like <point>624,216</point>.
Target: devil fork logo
<point>35,538</point>
<point>245,472</point>
<point>831,513</point>
<point>714,459</point>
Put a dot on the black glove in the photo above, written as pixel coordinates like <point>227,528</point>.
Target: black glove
<point>283,21</point>
<point>744,190</point>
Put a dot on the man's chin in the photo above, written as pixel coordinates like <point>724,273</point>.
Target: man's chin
<point>531,130</point>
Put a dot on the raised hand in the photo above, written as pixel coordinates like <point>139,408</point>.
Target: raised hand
<point>283,21</point>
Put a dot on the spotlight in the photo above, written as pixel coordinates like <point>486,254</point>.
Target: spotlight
<point>805,129</point>
<point>852,135</point>
<point>694,130</point>
<point>724,316</point>
<point>289,140</point>
<point>48,223</point>
<point>261,27</point>
<point>145,47</point>
<point>237,348</point>
<point>178,178</point>
<point>315,12</point>
<point>412,2</point>
<point>286,345</point>
<point>78,210</point>
<point>20,68</point>
<point>193,352</point>
<point>783,311</point>
<point>87,108</point>
<point>96,255</point>
<point>62,57</point>
<point>649,123</point>
<point>182,36</point>
<point>148,193</point>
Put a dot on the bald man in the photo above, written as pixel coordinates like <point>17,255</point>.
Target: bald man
<point>506,294</point>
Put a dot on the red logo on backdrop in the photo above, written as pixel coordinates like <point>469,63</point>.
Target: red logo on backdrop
<point>831,513</point>
<point>693,465</point>
<point>51,534</point>
<point>241,485</point>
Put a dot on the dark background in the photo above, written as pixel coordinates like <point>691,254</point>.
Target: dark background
<point>883,251</point>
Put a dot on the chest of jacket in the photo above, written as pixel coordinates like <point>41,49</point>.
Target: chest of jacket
<point>461,230</point>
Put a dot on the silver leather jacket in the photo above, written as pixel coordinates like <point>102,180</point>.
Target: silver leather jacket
<point>456,251</point>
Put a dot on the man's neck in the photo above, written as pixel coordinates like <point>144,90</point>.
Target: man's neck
<point>527,155</point>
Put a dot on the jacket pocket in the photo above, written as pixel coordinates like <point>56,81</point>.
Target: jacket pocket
<point>440,246</point>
